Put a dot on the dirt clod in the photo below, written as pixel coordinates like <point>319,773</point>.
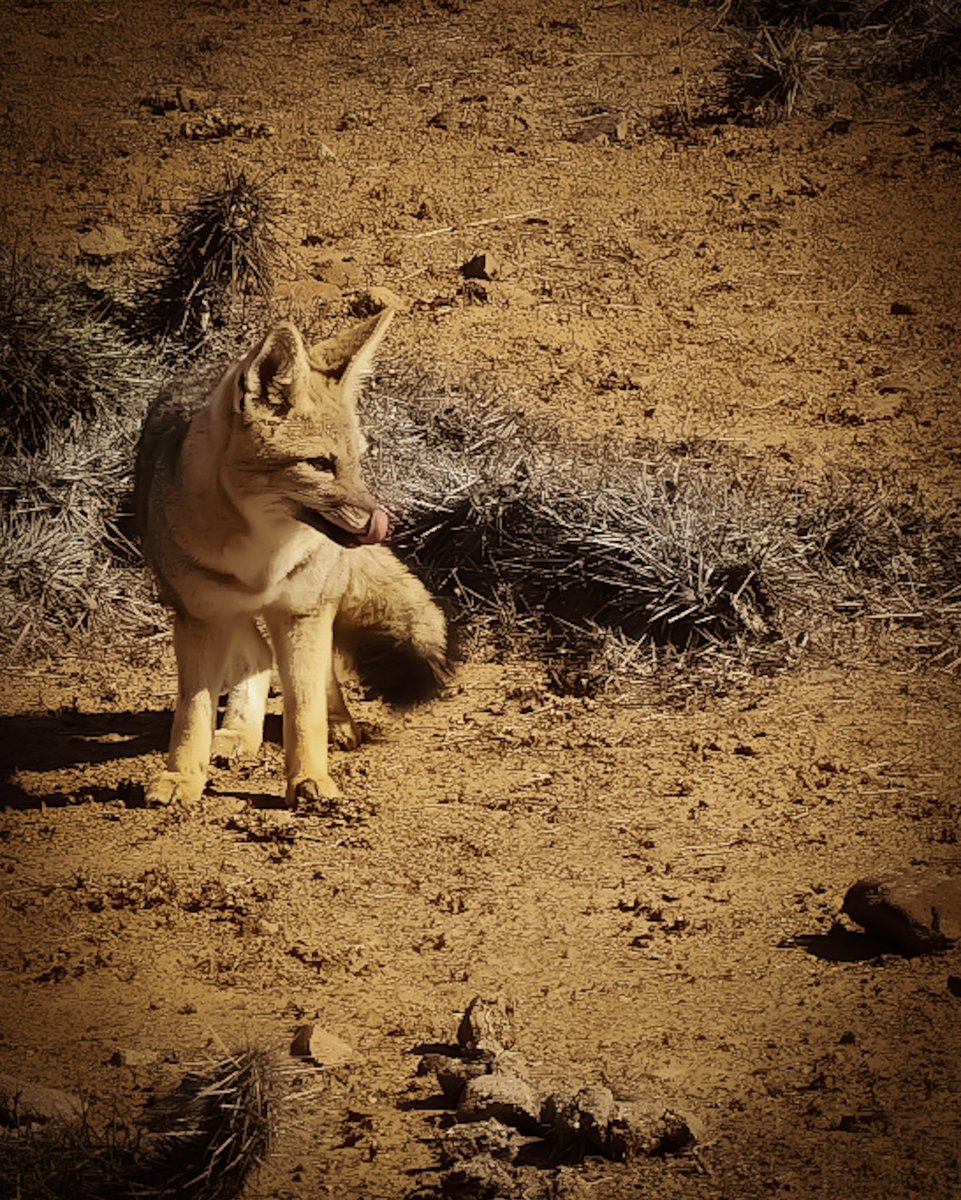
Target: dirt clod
<point>480,1178</point>
<point>635,1131</point>
<point>453,1074</point>
<point>487,1026</point>
<point>582,1119</point>
<point>482,266</point>
<point>504,1098</point>
<point>466,1141</point>
<point>320,1046</point>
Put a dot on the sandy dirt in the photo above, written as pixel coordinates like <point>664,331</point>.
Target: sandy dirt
<point>651,883</point>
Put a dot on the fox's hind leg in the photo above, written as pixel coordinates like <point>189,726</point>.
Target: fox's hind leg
<point>248,682</point>
<point>344,734</point>
<point>202,651</point>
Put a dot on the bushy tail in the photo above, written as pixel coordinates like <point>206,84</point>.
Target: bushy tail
<point>391,629</point>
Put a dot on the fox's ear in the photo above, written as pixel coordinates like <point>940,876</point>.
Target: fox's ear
<point>349,357</point>
<point>278,369</point>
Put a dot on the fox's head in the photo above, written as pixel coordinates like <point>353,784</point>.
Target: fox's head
<point>296,444</point>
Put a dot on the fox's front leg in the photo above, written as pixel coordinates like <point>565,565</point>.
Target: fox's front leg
<point>201,653</point>
<point>304,648</point>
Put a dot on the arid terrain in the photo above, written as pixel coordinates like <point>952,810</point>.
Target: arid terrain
<point>649,876</point>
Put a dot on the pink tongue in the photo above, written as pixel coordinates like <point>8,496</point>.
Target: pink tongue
<point>377,529</point>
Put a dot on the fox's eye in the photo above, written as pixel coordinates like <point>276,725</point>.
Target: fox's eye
<point>322,463</point>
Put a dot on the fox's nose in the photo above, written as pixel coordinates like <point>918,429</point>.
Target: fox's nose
<point>377,528</point>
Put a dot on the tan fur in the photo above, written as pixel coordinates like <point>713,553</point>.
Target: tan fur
<point>241,494</point>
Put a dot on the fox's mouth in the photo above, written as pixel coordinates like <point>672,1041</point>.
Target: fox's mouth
<point>375,529</point>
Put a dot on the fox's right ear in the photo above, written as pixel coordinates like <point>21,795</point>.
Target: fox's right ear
<point>278,368</point>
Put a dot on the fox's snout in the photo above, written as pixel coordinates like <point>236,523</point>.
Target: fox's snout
<point>348,525</point>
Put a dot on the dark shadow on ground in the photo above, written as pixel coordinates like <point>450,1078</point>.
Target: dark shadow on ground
<point>840,944</point>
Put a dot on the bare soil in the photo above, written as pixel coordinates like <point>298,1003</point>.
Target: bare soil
<point>652,884</point>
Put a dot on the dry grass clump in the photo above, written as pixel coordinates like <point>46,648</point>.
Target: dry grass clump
<point>74,391</point>
<point>784,55</point>
<point>911,40</point>
<point>201,1142</point>
<point>67,569</point>
<point>60,363</point>
<point>771,71</point>
<point>214,1129</point>
<point>216,265</point>
<point>624,553</point>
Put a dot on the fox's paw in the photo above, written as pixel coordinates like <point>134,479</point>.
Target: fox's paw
<point>232,745</point>
<point>309,792</point>
<point>344,734</point>
<point>173,787</point>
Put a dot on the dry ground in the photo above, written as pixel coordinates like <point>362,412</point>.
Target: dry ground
<point>651,883</point>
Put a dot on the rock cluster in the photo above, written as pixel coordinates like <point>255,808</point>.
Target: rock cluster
<point>499,1117</point>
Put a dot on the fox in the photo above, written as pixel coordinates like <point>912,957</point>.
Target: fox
<point>254,515</point>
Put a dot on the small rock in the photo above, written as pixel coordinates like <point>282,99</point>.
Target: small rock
<point>503,1098</point>
<point>480,1137</point>
<point>191,99</point>
<point>482,266</point>
<point>478,1178</point>
<point>133,1058</point>
<point>915,912</point>
<point>487,1024</point>
<point>634,1131</point>
<point>323,1048</point>
<point>104,241</point>
<point>385,297</point>
<point>901,309</point>
<point>454,1074</point>
<point>339,271</point>
<point>585,1118</point>
<point>306,294</point>
<point>443,119</point>
<point>32,1103</point>
<point>613,126</point>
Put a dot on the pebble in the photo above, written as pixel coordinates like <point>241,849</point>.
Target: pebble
<point>323,1048</point>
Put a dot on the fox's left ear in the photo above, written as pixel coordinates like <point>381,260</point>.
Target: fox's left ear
<point>348,358</point>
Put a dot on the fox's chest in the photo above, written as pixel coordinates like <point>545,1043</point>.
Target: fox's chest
<point>253,573</point>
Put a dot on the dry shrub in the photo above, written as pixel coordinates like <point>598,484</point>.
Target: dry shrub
<point>67,566</point>
<point>60,363</point>
<point>784,55</point>
<point>216,266</point>
<point>74,392</point>
<point>201,1142</point>
<point>771,71</point>
<point>622,552</point>
<point>911,40</point>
